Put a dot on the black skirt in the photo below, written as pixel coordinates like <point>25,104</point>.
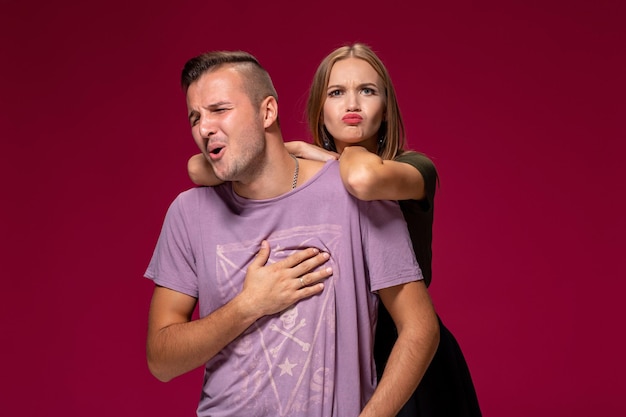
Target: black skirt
<point>446,390</point>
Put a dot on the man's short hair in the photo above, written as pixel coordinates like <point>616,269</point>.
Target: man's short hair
<point>256,80</point>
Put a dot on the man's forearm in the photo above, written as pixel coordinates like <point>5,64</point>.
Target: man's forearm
<point>177,345</point>
<point>181,347</point>
<point>418,337</point>
<point>408,361</point>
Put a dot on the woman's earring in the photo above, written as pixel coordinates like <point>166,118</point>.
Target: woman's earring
<point>381,142</point>
<point>382,136</point>
<point>326,143</point>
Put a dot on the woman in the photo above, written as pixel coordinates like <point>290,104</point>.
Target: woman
<point>353,112</point>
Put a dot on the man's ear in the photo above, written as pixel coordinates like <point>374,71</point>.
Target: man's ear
<point>269,109</point>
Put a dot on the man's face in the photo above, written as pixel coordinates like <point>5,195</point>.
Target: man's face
<point>225,125</point>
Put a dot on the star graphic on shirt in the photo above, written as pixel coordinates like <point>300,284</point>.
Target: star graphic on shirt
<point>286,367</point>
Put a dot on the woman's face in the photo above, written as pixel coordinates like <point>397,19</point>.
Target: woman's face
<point>355,104</point>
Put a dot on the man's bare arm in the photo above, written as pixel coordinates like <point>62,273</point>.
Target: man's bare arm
<point>176,344</point>
<point>418,337</point>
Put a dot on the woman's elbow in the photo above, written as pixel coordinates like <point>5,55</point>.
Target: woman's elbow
<point>359,183</point>
<point>194,169</point>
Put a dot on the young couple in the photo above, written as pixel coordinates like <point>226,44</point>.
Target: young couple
<point>289,253</point>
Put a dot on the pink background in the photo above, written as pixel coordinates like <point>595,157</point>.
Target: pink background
<point>520,104</point>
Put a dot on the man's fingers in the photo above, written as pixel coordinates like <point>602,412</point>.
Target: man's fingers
<point>310,264</point>
<point>314,277</point>
<point>310,291</point>
<point>297,258</point>
<point>262,255</point>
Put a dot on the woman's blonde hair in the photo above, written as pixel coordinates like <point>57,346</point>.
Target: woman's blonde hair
<point>392,140</point>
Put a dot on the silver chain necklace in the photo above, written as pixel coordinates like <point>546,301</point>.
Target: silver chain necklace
<point>295,174</point>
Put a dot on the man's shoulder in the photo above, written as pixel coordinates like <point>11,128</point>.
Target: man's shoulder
<point>327,178</point>
<point>203,191</point>
<point>200,195</point>
<point>316,170</point>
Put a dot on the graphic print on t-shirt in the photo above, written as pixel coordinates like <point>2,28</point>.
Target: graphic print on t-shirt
<point>285,354</point>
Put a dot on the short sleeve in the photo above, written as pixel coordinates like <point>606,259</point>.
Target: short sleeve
<point>173,263</point>
<point>387,245</point>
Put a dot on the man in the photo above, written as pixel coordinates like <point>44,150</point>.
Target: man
<point>277,334</point>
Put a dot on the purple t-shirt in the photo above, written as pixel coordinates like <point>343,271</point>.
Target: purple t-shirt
<point>315,358</point>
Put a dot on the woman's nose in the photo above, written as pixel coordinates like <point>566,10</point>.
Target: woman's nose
<point>353,102</point>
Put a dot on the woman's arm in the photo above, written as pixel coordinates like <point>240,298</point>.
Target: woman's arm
<point>201,172</point>
<point>308,151</point>
<point>368,177</point>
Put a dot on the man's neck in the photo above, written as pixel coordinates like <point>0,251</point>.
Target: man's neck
<point>275,178</point>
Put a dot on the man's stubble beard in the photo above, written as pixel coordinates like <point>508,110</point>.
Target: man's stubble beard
<point>249,165</point>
